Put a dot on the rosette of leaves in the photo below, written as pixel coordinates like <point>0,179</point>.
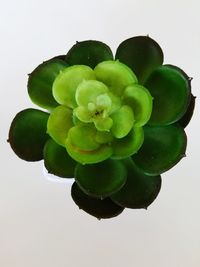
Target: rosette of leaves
<point>114,123</point>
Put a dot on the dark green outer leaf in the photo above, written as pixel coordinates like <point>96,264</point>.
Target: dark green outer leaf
<point>139,191</point>
<point>88,53</point>
<point>102,179</point>
<point>163,148</point>
<point>101,209</point>
<point>41,80</point>
<point>27,134</point>
<point>57,161</point>
<point>142,54</point>
<point>184,121</point>
<point>171,90</point>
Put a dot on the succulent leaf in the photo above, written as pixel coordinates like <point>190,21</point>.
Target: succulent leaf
<point>184,121</point>
<point>90,53</point>
<point>59,123</point>
<point>102,153</point>
<point>163,147</point>
<point>128,145</point>
<point>99,208</point>
<point>57,161</point>
<point>142,54</point>
<point>40,82</point>
<point>116,75</point>
<point>141,101</point>
<point>102,179</point>
<point>123,121</point>
<point>170,89</point>
<point>86,131</point>
<point>27,134</point>
<point>139,191</point>
<point>65,84</point>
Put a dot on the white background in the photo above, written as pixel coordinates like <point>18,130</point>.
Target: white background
<point>40,226</point>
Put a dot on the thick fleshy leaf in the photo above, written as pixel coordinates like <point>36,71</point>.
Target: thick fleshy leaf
<point>102,179</point>
<point>88,53</point>
<point>88,91</point>
<point>82,137</point>
<point>103,124</point>
<point>142,54</point>
<point>27,134</point>
<point>57,161</point>
<point>59,123</point>
<point>99,208</point>
<point>116,75</point>
<point>41,80</point>
<point>163,147</point>
<point>170,89</point>
<point>83,114</point>
<point>103,137</point>
<point>184,121</point>
<point>123,120</point>
<point>88,156</point>
<point>139,191</point>
<point>140,100</point>
<point>66,83</point>
<point>116,102</point>
<point>129,145</point>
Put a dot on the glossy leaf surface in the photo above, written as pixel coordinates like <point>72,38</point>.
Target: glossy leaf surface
<point>142,54</point>
<point>101,209</point>
<point>115,75</point>
<point>88,53</point>
<point>66,83</point>
<point>129,145</point>
<point>41,80</point>
<point>59,123</point>
<point>27,134</point>
<point>57,161</point>
<point>139,191</point>
<point>184,121</point>
<point>163,147</point>
<point>140,100</point>
<point>170,89</point>
<point>102,179</point>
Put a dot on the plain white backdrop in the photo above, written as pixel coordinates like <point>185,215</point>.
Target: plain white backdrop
<point>40,225</point>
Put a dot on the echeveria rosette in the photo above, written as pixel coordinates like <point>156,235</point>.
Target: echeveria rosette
<point>101,125</point>
<point>101,112</point>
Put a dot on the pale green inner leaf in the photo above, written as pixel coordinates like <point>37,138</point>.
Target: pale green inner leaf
<point>139,98</point>
<point>123,121</point>
<point>103,124</point>
<point>103,137</point>
<point>83,114</point>
<point>88,91</point>
<point>83,137</point>
<point>66,83</point>
<point>102,153</point>
<point>116,75</point>
<point>59,123</point>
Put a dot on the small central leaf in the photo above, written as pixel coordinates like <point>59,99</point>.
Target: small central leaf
<point>104,101</point>
<point>88,91</point>
<point>103,124</point>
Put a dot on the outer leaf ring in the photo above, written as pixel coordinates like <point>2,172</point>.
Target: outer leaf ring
<point>163,148</point>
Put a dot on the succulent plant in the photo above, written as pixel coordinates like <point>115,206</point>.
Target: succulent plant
<point>114,123</point>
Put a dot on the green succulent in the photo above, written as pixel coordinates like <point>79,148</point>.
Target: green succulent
<point>113,123</point>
